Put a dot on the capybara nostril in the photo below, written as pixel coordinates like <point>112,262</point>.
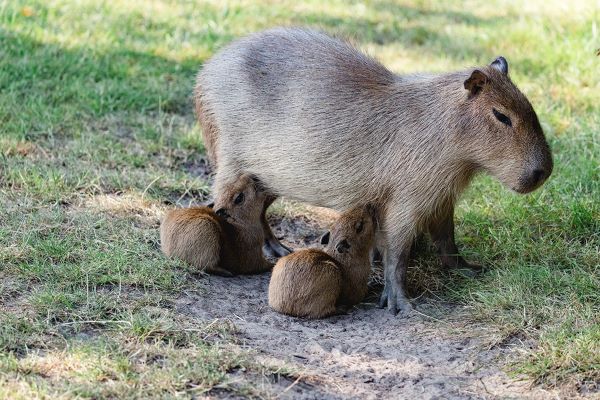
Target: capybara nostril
<point>342,246</point>
<point>537,176</point>
<point>531,180</point>
<point>221,212</point>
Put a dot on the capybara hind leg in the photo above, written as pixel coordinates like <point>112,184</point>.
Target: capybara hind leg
<point>442,235</point>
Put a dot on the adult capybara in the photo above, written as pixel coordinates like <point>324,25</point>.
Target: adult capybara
<point>318,121</point>
<point>311,283</point>
<point>225,240</point>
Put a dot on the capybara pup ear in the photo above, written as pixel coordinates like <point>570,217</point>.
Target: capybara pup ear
<point>325,238</point>
<point>258,185</point>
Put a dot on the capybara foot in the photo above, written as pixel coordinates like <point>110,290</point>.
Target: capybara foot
<point>396,301</point>
<point>342,310</point>
<point>461,266</point>
<point>220,272</point>
<point>274,248</point>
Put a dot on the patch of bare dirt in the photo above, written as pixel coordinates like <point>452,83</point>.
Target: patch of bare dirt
<point>366,354</point>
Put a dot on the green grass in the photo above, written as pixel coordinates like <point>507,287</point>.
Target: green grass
<point>97,131</point>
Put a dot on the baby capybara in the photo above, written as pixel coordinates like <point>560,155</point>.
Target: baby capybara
<point>225,240</point>
<point>311,283</point>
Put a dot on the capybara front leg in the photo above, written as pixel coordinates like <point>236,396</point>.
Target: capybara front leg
<point>272,247</point>
<point>394,292</point>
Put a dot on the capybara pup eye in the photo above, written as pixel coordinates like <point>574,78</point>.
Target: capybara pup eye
<point>239,199</point>
<point>359,227</point>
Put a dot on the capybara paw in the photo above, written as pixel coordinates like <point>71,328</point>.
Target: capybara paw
<point>461,266</point>
<point>388,298</point>
<point>220,272</point>
<point>396,304</point>
<point>268,251</point>
<point>466,269</point>
<point>275,249</point>
<point>469,272</point>
<point>404,307</point>
<point>341,310</point>
<point>280,249</point>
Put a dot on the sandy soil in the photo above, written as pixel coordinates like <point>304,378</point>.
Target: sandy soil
<point>366,354</point>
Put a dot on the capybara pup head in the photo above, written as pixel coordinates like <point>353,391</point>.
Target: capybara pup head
<point>504,134</point>
<point>352,234</point>
<point>241,201</point>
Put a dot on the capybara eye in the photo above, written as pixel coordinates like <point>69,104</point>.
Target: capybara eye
<point>501,117</point>
<point>239,198</point>
<point>359,227</point>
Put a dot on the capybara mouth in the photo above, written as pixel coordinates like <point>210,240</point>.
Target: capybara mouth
<point>528,188</point>
<point>532,180</point>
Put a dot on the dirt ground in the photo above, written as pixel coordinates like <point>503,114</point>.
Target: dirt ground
<point>366,354</point>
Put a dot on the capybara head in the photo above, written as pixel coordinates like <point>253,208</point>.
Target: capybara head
<point>241,201</point>
<point>353,233</point>
<point>503,132</point>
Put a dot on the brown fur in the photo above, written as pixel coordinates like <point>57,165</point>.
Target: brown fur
<point>210,136</point>
<point>226,244</point>
<point>320,122</point>
<point>310,282</point>
<point>210,132</point>
<point>306,283</point>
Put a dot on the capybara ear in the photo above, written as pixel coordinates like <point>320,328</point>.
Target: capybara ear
<point>370,209</point>
<point>325,238</point>
<point>500,64</point>
<point>476,82</point>
<point>211,204</point>
<point>257,184</point>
